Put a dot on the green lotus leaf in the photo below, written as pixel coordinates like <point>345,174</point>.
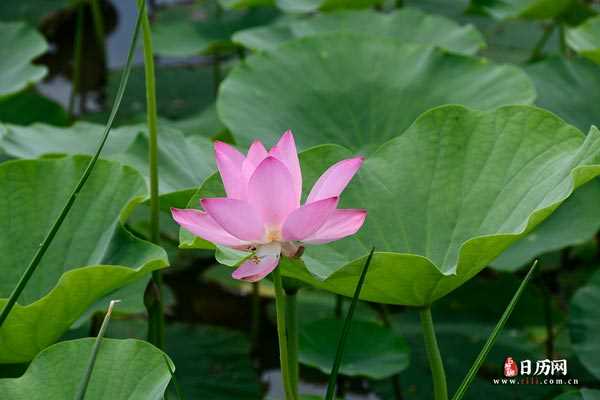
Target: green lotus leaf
<point>407,25</point>
<point>178,32</point>
<point>531,9</point>
<point>311,85</point>
<point>498,173</point>
<point>576,221</point>
<point>585,39</point>
<point>184,162</point>
<point>124,370</point>
<point>584,323</point>
<point>307,6</point>
<point>372,350</point>
<point>568,88</point>
<point>583,394</point>
<point>20,44</point>
<point>27,107</point>
<point>91,256</point>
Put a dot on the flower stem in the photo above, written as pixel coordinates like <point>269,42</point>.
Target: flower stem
<point>282,334</point>
<point>156,317</point>
<point>292,333</point>
<point>78,49</point>
<point>440,390</point>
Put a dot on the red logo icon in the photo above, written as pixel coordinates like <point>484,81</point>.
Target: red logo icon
<point>510,367</point>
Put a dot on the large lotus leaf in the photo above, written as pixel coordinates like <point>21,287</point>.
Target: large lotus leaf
<point>20,44</point>
<point>372,350</point>
<point>583,394</point>
<point>584,324</point>
<point>124,370</point>
<point>498,174</point>
<point>576,221</point>
<point>568,88</point>
<point>585,39</point>
<point>27,107</point>
<point>407,25</point>
<point>534,9</point>
<point>306,6</point>
<point>91,256</point>
<point>184,162</point>
<point>182,31</point>
<point>312,84</point>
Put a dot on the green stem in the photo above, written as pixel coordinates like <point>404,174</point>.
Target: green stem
<point>280,308</point>
<point>216,73</point>
<point>255,328</point>
<point>98,18</point>
<point>440,390</point>
<point>39,254</point>
<point>94,354</point>
<point>78,45</point>
<point>335,369</point>
<point>536,53</point>
<point>464,386</point>
<point>156,317</point>
<point>292,334</point>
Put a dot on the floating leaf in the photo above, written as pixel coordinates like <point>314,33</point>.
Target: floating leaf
<point>533,9</point>
<point>20,44</point>
<point>182,32</point>
<point>92,236</point>
<point>584,324</point>
<point>568,88</point>
<point>307,6</point>
<point>585,39</point>
<point>576,221</point>
<point>311,86</point>
<point>124,370</point>
<point>407,25</point>
<point>372,351</point>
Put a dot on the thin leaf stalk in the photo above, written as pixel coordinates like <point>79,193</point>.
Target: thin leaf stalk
<point>156,314</point>
<point>346,330</point>
<point>464,386</point>
<point>436,365</point>
<point>280,308</point>
<point>45,244</point>
<point>77,58</point>
<point>94,354</point>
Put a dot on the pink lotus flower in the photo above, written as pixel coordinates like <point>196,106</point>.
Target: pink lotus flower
<point>262,211</point>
